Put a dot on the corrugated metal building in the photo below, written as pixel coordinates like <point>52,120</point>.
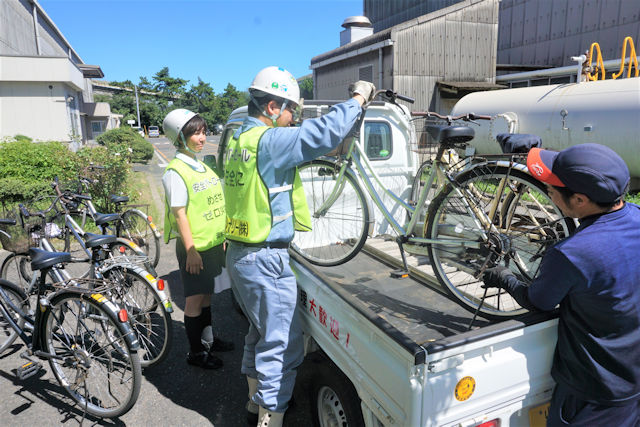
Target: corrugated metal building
<point>454,44</point>
<point>439,50</point>
<point>45,87</point>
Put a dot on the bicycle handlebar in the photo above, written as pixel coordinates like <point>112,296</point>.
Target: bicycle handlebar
<point>395,95</point>
<point>465,117</point>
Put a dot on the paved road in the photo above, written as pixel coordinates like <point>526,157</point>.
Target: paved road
<point>173,393</point>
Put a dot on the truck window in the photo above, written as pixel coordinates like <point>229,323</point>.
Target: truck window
<point>377,140</point>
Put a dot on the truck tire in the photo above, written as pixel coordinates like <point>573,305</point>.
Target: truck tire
<point>334,400</point>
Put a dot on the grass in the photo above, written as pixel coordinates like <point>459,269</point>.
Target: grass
<point>633,198</point>
<point>141,188</point>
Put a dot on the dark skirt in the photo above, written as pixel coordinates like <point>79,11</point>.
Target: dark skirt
<point>202,283</point>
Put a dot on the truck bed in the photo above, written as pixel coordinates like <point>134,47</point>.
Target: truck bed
<point>415,315</point>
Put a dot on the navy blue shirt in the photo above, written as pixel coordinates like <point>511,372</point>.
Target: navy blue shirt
<point>595,277</point>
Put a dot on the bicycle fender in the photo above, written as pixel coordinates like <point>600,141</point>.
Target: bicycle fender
<point>151,279</point>
<point>123,327</point>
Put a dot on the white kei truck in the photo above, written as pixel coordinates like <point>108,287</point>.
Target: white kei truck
<point>399,352</point>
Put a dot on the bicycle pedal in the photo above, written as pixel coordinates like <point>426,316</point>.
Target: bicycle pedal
<point>28,370</point>
<point>399,274</point>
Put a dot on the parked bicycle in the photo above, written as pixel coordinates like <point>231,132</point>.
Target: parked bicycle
<point>85,337</point>
<point>486,212</point>
<point>65,234</point>
<point>131,224</point>
<point>138,291</point>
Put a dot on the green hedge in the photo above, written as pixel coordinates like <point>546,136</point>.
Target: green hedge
<point>127,143</point>
<point>27,170</point>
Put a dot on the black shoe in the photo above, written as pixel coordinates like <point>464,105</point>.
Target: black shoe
<point>221,345</point>
<point>204,360</point>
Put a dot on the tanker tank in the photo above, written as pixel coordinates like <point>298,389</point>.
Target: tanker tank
<point>605,112</point>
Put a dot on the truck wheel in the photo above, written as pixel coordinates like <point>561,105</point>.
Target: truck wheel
<point>334,400</point>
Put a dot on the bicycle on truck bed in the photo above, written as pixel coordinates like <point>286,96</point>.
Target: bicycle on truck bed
<point>86,338</point>
<point>486,212</point>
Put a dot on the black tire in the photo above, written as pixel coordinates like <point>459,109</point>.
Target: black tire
<point>16,268</point>
<point>339,234</point>
<point>147,315</point>
<point>138,228</point>
<point>17,296</point>
<point>525,224</point>
<point>334,400</point>
<point>89,342</point>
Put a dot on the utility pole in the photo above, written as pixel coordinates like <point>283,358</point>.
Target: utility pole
<point>135,87</point>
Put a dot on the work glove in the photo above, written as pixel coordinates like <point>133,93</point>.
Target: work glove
<point>362,88</point>
<point>497,277</point>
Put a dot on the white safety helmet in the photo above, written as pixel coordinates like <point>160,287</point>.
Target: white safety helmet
<point>174,122</point>
<point>277,81</point>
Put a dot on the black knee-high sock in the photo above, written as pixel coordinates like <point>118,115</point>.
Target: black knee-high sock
<point>193,327</point>
<point>205,317</point>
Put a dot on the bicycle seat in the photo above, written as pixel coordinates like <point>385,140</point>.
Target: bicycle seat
<point>102,219</point>
<point>518,142</point>
<point>118,199</point>
<point>451,135</point>
<point>4,221</point>
<point>95,240</point>
<point>41,259</point>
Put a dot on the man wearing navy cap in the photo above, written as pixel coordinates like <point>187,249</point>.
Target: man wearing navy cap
<point>594,277</point>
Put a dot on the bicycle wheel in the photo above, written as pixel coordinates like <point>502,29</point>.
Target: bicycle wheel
<point>138,228</point>
<point>526,222</point>
<point>93,360</point>
<point>337,235</point>
<point>18,298</point>
<point>147,314</point>
<point>16,268</point>
<point>60,236</point>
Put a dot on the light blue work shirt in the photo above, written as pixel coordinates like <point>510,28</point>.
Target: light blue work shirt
<point>281,149</point>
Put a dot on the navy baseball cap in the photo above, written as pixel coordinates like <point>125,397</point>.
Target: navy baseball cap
<point>591,169</point>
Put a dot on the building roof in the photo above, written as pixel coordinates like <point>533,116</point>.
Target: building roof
<point>358,44</point>
<point>91,71</point>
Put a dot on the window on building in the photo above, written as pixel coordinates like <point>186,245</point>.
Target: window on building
<point>366,73</point>
<point>377,140</point>
<point>97,128</point>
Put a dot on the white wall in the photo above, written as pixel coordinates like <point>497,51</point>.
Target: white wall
<point>37,110</point>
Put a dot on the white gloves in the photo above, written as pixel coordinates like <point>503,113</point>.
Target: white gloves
<point>362,88</point>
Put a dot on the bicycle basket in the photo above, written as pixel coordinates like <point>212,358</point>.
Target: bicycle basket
<point>23,235</point>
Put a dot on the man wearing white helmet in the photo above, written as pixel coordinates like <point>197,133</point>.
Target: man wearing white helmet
<point>195,217</point>
<point>265,203</point>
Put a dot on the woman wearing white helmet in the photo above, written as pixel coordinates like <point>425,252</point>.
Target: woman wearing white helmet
<point>265,202</point>
<point>194,216</point>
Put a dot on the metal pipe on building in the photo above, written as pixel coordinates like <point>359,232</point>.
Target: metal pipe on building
<point>35,29</point>
<point>380,70</point>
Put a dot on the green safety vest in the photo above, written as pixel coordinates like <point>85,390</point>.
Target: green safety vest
<point>249,214</point>
<point>205,206</point>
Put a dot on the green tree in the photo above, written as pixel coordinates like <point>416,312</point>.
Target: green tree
<point>306,88</point>
<point>169,87</point>
<point>230,99</point>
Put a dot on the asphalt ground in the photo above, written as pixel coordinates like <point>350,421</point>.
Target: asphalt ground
<point>173,393</point>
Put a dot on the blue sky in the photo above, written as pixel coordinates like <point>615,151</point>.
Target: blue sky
<point>220,41</point>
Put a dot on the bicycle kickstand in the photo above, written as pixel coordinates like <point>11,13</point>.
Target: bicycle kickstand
<point>402,273</point>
